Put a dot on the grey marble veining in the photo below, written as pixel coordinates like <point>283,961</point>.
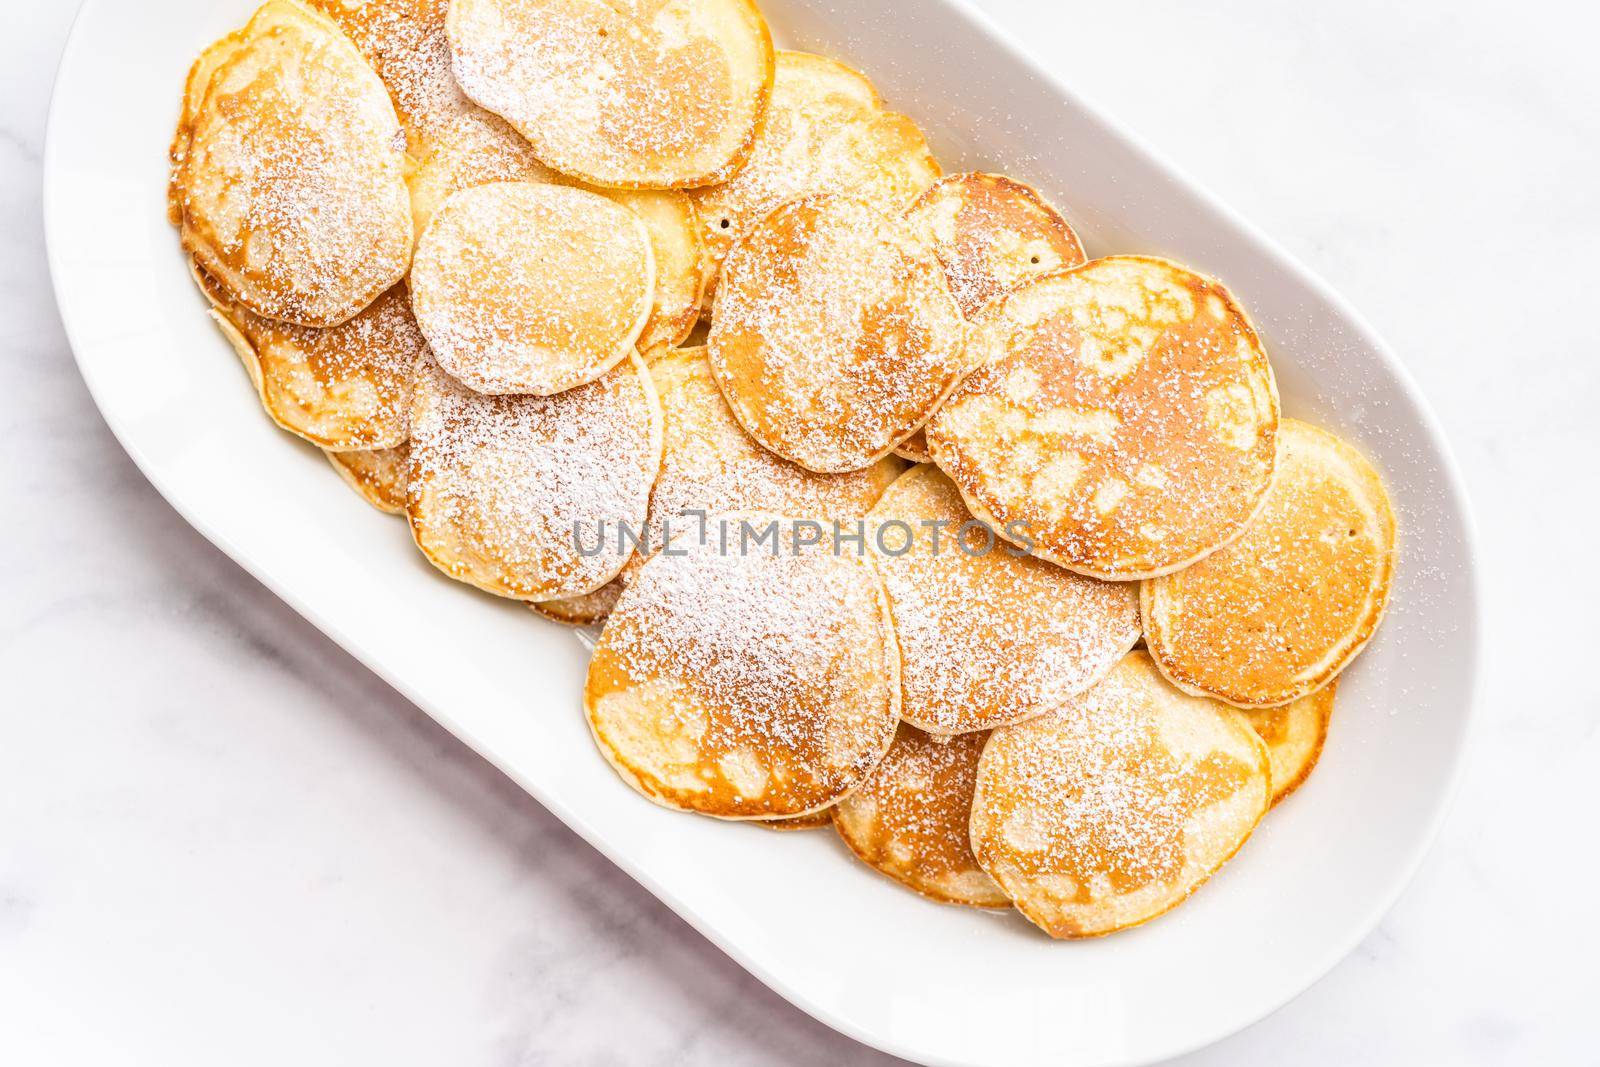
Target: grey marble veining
<point>224,841</point>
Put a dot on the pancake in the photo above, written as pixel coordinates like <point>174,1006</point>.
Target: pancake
<point>475,155</point>
<point>834,335</point>
<point>661,94</point>
<point>1281,611</point>
<point>585,610</point>
<point>909,818</point>
<point>987,634</point>
<point>1123,416</point>
<point>466,158</point>
<point>826,131</point>
<point>673,228</point>
<point>1112,809</point>
<point>1294,734</point>
<point>342,388</point>
<point>378,474</point>
<point>521,495</point>
<point>752,685</point>
<point>531,289</point>
<point>289,168</point>
<point>990,234</point>
<point>709,465</point>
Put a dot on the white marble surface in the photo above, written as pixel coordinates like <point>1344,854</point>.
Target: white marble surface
<point>223,841</point>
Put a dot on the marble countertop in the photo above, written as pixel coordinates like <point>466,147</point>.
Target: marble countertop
<point>224,841</point>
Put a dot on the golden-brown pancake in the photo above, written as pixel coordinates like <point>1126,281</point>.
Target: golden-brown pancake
<point>528,288</point>
<point>752,684</point>
<point>834,335</point>
<point>1123,417</point>
<point>341,388</point>
<point>1286,607</point>
<point>655,94</point>
<point>1294,734</point>
<point>826,131</point>
<point>909,818</point>
<point>521,495</point>
<point>674,230</point>
<point>466,159</point>
<point>585,610</point>
<point>378,474</point>
<point>289,169</point>
<point>988,635</point>
<point>1112,809</point>
<point>710,465</point>
<point>992,233</point>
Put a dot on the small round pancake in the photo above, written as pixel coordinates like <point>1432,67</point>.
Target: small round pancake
<point>1294,735</point>
<point>709,465</point>
<point>834,335</point>
<point>988,635</point>
<point>1112,809</point>
<point>341,388</point>
<point>531,289</point>
<point>826,131</point>
<point>464,158</point>
<point>1286,607</point>
<point>518,495</point>
<point>1123,414</point>
<point>747,685</point>
<point>585,610</point>
<point>674,231</point>
<point>289,179</point>
<point>991,234</point>
<point>909,818</point>
<point>661,94</point>
<point>378,474</point>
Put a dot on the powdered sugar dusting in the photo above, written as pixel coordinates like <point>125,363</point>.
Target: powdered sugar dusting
<point>909,819</point>
<point>659,94</point>
<point>528,288</point>
<point>1129,790</point>
<point>456,143</point>
<point>754,683</point>
<point>1124,410</point>
<point>992,638</point>
<point>825,131</point>
<point>710,465</point>
<point>1282,609</point>
<point>498,485</point>
<point>834,335</point>
<point>343,387</point>
<point>990,234</point>
<point>291,189</point>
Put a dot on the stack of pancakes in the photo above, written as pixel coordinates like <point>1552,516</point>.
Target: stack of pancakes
<point>906,479</point>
